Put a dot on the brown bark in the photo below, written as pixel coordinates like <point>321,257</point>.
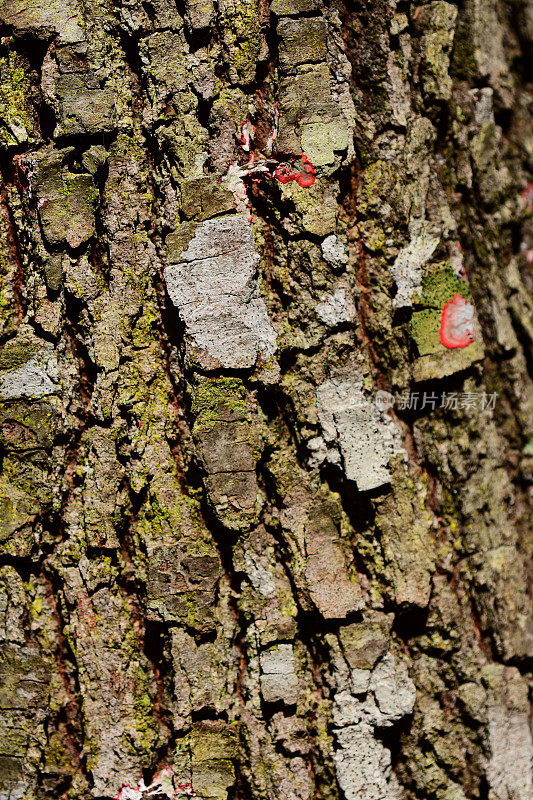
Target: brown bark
<point>265,399</point>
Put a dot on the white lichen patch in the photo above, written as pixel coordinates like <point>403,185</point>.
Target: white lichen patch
<point>362,762</point>
<point>36,378</point>
<point>214,287</point>
<point>322,140</point>
<point>363,765</point>
<point>334,252</point>
<point>407,268</point>
<point>279,681</point>
<point>356,432</point>
<point>510,768</point>
<point>336,308</point>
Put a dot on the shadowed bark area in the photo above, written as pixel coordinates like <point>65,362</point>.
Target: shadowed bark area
<point>265,399</point>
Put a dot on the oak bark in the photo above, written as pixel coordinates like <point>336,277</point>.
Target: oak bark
<point>259,522</point>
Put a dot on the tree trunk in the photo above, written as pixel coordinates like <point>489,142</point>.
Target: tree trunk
<point>265,387</point>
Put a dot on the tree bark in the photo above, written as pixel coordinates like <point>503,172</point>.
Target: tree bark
<point>265,399</point>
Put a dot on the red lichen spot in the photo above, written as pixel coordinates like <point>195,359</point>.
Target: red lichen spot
<point>457,323</point>
<point>307,176</point>
<point>285,173</point>
<point>301,171</point>
<point>162,786</point>
<point>527,195</point>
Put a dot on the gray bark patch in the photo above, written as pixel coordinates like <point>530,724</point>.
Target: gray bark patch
<point>407,268</point>
<point>215,289</point>
<point>362,762</point>
<point>36,378</point>
<point>356,432</point>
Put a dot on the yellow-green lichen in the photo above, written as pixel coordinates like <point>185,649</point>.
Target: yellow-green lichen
<point>243,37</point>
<point>15,108</point>
<point>212,397</point>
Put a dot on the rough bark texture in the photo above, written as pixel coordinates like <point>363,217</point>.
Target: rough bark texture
<point>218,553</point>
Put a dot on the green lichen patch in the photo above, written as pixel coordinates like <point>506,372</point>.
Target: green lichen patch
<point>439,285</point>
<point>378,182</point>
<point>177,241</point>
<point>438,19</point>
<point>315,207</point>
<point>27,425</point>
<point>425,327</point>
<point>68,211</point>
<point>8,270</point>
<point>207,753</point>
<point>186,141</point>
<point>218,400</point>
<point>243,38</point>
<point>18,511</point>
<point>59,757</point>
<point>18,352</point>
<point>66,200</point>
<point>15,105</point>
<point>303,41</point>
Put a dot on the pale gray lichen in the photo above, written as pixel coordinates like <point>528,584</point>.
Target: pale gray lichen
<point>407,268</point>
<point>390,695</point>
<point>259,574</point>
<point>356,432</point>
<point>362,762</point>
<point>36,378</point>
<point>334,252</point>
<point>215,289</point>
<point>336,308</point>
<point>363,765</point>
<point>279,681</point>
<point>510,768</point>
